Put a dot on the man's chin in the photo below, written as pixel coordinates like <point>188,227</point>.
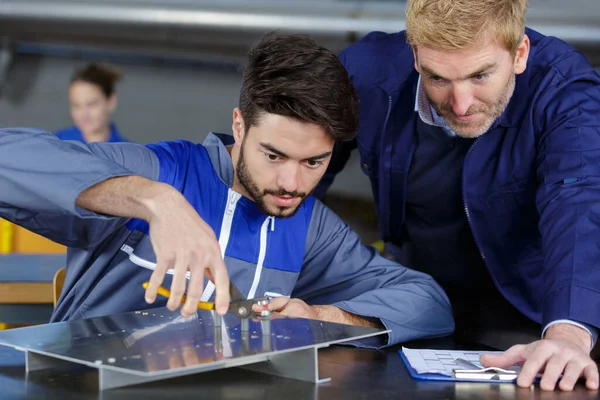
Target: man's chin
<point>283,212</point>
<point>470,132</point>
<point>466,134</point>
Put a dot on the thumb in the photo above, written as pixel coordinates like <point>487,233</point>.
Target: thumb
<point>510,357</point>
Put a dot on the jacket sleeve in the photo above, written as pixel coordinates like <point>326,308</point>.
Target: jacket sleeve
<point>568,193</point>
<point>42,176</point>
<point>339,270</point>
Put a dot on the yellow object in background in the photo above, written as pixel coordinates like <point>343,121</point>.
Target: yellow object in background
<point>27,242</point>
<point>378,245</point>
<point>6,236</point>
<point>15,239</point>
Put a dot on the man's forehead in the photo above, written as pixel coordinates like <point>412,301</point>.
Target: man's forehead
<point>295,139</point>
<point>455,64</point>
<point>487,50</point>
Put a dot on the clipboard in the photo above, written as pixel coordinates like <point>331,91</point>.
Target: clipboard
<point>486,374</point>
<point>461,373</point>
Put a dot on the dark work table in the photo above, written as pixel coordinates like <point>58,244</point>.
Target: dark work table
<point>356,374</point>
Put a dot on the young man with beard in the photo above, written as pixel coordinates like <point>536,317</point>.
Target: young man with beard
<point>234,208</point>
<point>480,138</point>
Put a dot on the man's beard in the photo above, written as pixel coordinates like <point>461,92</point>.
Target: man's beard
<point>258,195</point>
<point>491,113</point>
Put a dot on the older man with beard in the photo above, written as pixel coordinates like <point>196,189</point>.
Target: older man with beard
<point>480,138</point>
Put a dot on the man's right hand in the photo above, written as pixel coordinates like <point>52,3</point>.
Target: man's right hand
<point>182,241</point>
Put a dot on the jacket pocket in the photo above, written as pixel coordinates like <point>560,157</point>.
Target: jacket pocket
<point>511,198</point>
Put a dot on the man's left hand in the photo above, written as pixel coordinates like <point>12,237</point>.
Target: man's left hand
<point>564,350</point>
<point>290,308</point>
<point>299,309</point>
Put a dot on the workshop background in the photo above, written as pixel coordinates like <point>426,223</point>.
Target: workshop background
<point>181,63</point>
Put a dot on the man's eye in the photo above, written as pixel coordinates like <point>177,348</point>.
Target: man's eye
<point>314,163</point>
<point>436,80</point>
<point>272,157</point>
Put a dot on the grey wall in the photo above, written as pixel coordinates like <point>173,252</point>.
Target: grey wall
<point>155,103</point>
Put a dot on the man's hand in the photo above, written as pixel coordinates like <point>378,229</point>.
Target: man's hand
<point>182,241</point>
<point>290,308</point>
<point>564,350</point>
<point>299,309</point>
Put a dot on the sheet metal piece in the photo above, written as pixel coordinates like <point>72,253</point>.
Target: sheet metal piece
<point>155,344</point>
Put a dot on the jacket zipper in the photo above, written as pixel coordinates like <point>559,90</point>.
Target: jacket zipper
<point>494,279</point>
<point>232,200</point>
<point>264,229</point>
<point>464,190</point>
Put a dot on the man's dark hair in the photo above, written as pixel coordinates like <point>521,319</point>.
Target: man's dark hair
<point>294,76</point>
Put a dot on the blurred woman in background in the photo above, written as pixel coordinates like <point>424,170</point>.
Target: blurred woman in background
<point>92,101</point>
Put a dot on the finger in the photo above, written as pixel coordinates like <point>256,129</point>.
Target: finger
<point>178,284</point>
<point>156,279</point>
<point>512,356</point>
<point>194,290</point>
<point>533,365</point>
<point>591,376</point>
<point>221,281</point>
<point>258,309</point>
<point>554,367</point>
<point>572,372</point>
<point>275,305</point>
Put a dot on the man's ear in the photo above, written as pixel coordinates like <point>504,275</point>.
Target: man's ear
<point>522,55</point>
<point>416,57</point>
<point>238,126</point>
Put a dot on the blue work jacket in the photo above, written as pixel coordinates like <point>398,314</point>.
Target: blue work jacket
<point>531,184</point>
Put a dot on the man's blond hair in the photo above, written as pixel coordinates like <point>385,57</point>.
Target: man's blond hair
<point>458,24</point>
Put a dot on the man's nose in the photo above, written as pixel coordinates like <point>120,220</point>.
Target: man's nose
<point>289,177</point>
<point>461,99</point>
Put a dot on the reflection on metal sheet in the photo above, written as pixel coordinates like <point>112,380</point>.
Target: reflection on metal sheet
<point>160,342</point>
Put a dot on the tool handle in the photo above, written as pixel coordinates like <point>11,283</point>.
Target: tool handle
<point>203,305</point>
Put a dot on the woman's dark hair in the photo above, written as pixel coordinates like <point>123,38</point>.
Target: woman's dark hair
<point>294,76</point>
<point>102,76</point>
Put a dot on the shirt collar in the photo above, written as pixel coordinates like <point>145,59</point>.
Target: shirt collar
<point>427,113</point>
